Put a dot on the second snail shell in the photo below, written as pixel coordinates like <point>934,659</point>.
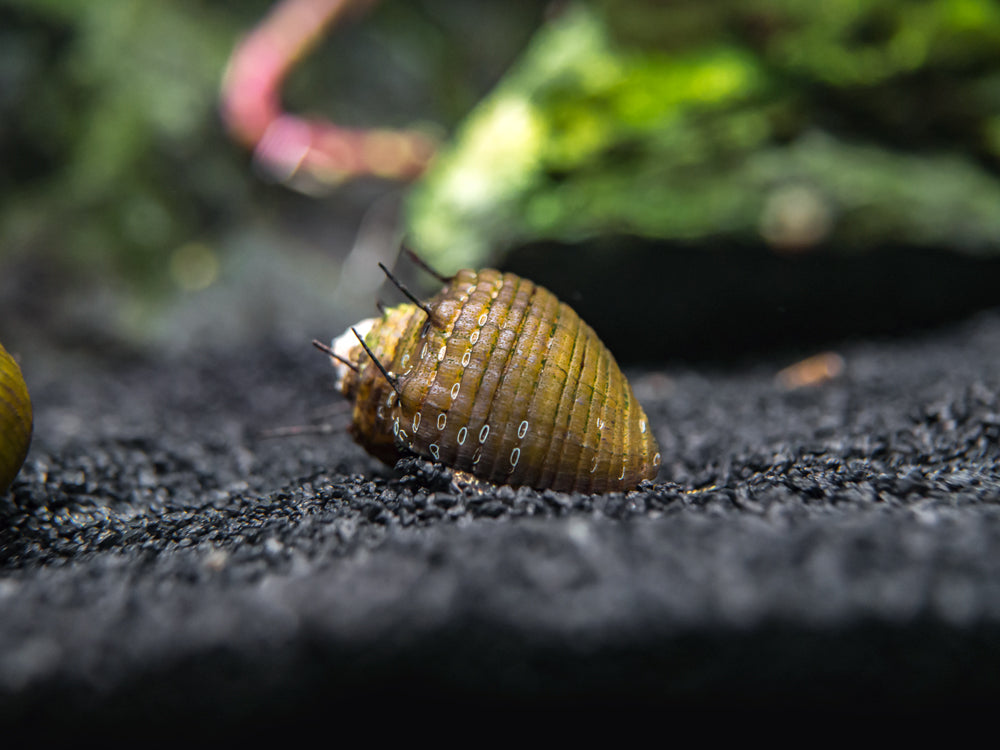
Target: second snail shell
<point>15,419</point>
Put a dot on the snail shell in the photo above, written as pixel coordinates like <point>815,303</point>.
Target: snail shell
<point>501,380</point>
<point>15,419</point>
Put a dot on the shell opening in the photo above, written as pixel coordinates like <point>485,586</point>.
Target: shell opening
<point>346,345</point>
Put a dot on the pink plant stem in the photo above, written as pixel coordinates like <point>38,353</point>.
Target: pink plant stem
<point>288,147</point>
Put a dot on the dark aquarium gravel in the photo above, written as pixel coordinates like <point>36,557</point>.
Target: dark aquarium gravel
<point>173,556</point>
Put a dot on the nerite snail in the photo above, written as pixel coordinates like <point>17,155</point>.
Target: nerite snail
<point>15,419</point>
<point>496,377</point>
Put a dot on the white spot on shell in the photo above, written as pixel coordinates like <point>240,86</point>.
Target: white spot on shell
<point>423,352</point>
<point>494,294</point>
<point>441,351</point>
<point>482,319</point>
<point>463,433</point>
<point>515,456</point>
<point>642,426</point>
<point>623,473</point>
<point>402,435</point>
<point>600,423</point>
<point>484,433</point>
<point>467,357</point>
<point>471,289</point>
<point>442,420</point>
<point>478,455</point>
<point>474,337</point>
<point>380,411</point>
<point>455,389</point>
<point>435,451</point>
<point>405,360</point>
<point>416,422</point>
<point>395,426</point>
<point>391,399</point>
<point>523,429</point>
<point>656,460</point>
<point>593,466</point>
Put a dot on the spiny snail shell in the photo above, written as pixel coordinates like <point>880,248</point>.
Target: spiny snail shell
<point>15,419</point>
<point>505,382</point>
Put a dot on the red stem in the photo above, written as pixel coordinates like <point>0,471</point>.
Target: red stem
<point>290,147</point>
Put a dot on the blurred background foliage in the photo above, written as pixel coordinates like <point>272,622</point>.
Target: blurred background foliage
<point>713,157</point>
<point>845,123</point>
<point>125,211</point>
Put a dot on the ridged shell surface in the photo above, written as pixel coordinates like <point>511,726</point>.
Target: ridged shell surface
<point>506,383</point>
<point>15,419</point>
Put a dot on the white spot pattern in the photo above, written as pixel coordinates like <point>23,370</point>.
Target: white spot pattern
<point>523,429</point>
<point>462,434</point>
<point>515,456</point>
<point>484,433</point>
<point>435,451</point>
<point>454,390</point>
<point>416,422</point>
<point>442,420</point>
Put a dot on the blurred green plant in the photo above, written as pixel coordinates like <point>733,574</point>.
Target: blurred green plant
<point>111,156</point>
<point>841,123</point>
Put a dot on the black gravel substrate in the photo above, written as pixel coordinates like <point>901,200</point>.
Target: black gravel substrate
<point>833,548</point>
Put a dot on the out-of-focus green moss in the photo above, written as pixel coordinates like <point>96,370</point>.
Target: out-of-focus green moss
<point>846,123</point>
<point>114,150</point>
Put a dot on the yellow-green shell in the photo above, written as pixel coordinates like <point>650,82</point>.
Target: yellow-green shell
<point>506,383</point>
<point>15,419</point>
